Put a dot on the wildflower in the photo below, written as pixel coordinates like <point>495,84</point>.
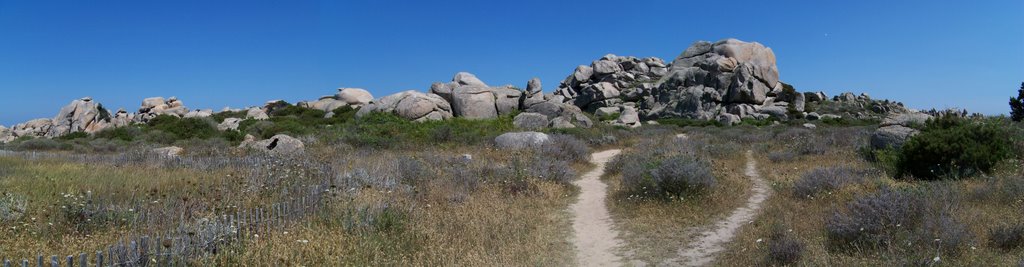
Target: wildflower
<point>759,240</point>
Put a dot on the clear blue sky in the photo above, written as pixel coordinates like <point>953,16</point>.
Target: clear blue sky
<point>212,54</point>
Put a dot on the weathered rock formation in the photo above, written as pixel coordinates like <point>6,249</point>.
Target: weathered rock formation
<point>472,99</point>
<point>708,79</point>
<point>156,106</point>
<point>82,115</point>
<point>611,81</point>
<point>520,140</point>
<point>346,97</point>
<point>277,145</point>
<point>410,105</point>
<point>897,128</point>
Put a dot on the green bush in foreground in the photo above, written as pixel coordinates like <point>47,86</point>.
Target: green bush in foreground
<point>951,146</point>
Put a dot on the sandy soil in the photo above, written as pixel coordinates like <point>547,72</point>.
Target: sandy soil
<point>702,251</point>
<point>594,237</point>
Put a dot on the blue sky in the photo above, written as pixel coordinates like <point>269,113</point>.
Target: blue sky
<point>212,54</point>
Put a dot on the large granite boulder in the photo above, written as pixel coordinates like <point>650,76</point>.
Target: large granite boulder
<point>520,140</point>
<point>612,81</point>
<point>707,77</point>
<point>229,124</point>
<point>34,128</point>
<point>81,115</point>
<point>562,115</point>
<point>256,114</point>
<point>472,99</point>
<point>277,145</point>
<point>531,121</point>
<point>628,118</point>
<point>346,97</point>
<point>892,136</point>
<point>356,97</point>
<point>325,103</point>
<point>896,128</point>
<point>168,152</point>
<point>156,106</point>
<point>410,105</point>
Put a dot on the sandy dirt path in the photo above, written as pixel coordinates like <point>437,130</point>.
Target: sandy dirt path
<point>702,251</point>
<point>594,237</point>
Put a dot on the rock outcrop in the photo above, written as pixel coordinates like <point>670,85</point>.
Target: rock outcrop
<point>410,105</point>
<point>897,128</point>
<point>277,145</point>
<point>611,81</point>
<point>346,97</point>
<point>168,152</point>
<point>471,98</point>
<point>156,106</point>
<point>708,79</point>
<point>5,135</point>
<point>520,140</point>
<point>81,115</point>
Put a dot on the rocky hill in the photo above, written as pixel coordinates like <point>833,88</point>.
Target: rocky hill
<point>727,81</point>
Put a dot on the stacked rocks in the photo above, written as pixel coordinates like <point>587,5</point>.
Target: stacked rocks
<point>611,81</point>
<point>156,106</point>
<point>346,97</point>
<point>81,115</point>
<point>410,105</point>
<point>471,98</point>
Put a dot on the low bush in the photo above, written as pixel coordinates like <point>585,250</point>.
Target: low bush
<point>822,180</point>
<point>73,136</point>
<point>784,249</point>
<point>184,128</point>
<point>678,176</point>
<point>951,147</point>
<point>781,156</point>
<point>873,221</point>
<point>915,223</point>
<point>1007,237</point>
<point>42,144</point>
<point>127,133</point>
<point>565,147</point>
<point>12,207</point>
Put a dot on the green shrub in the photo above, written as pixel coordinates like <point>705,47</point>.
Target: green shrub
<point>220,116</point>
<point>384,130</point>
<point>43,144</point>
<point>951,146</point>
<point>184,128</point>
<point>73,136</point>
<point>1017,105</point>
<point>681,122</point>
<point>127,133</point>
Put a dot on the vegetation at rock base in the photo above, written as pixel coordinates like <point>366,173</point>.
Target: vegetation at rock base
<point>950,147</point>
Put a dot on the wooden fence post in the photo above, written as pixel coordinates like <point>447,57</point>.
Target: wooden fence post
<point>71,260</point>
<point>54,261</point>
<point>99,259</point>
<point>39,260</point>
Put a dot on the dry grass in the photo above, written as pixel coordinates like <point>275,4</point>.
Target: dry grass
<point>653,229</point>
<point>501,208</point>
<point>804,220</point>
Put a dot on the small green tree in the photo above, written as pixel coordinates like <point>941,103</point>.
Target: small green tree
<point>1017,105</point>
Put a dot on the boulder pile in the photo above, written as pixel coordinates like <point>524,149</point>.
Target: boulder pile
<point>346,97</point>
<point>611,81</point>
<point>156,106</point>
